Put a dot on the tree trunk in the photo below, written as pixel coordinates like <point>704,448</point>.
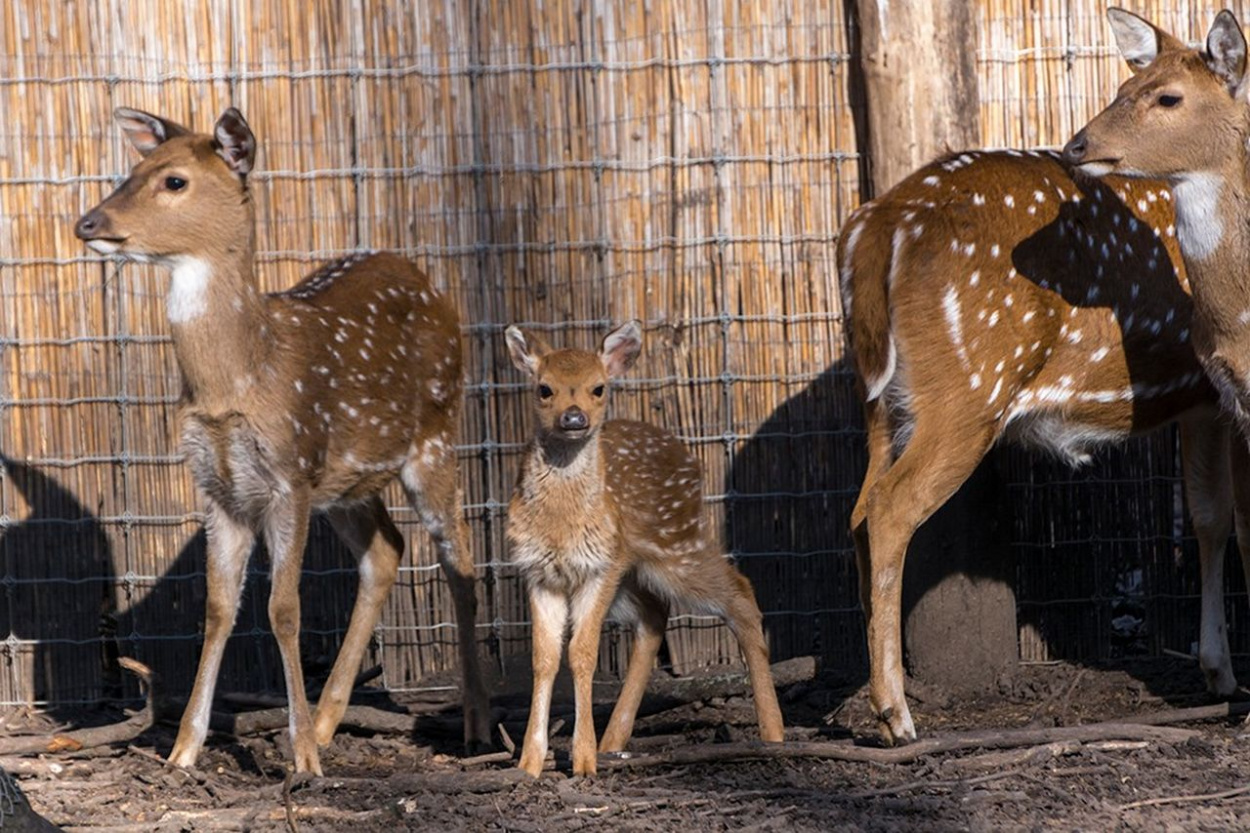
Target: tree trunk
<point>918,67</point>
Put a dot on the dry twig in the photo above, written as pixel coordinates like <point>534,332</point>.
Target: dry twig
<point>79,739</point>
<point>845,751</point>
<point>1185,799</point>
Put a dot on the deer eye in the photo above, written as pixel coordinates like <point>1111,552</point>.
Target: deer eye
<point>545,392</point>
<point>598,391</point>
<point>175,183</point>
<point>1168,100</point>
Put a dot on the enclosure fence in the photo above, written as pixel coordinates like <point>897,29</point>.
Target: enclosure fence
<point>566,165</point>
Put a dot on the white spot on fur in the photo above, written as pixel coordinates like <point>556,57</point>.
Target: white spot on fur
<point>954,324</point>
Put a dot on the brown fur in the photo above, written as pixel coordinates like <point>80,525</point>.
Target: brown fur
<point>1017,301</point>
<point>313,398</point>
<point>611,516</point>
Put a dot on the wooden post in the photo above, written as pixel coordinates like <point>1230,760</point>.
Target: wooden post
<point>919,69</point>
<point>917,62</point>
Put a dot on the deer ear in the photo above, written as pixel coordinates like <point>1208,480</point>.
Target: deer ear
<point>1139,41</point>
<point>621,348</point>
<point>1226,49</point>
<point>235,142</point>
<point>146,131</point>
<point>526,349</point>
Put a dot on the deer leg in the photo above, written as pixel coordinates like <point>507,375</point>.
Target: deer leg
<point>1206,460</point>
<point>229,545</point>
<point>590,605</point>
<point>934,465</point>
<point>742,613</point>
<point>370,534</point>
<point>286,532</point>
<point>880,457</point>
<point>1240,464</point>
<point>648,634</point>
<point>549,612</point>
<point>431,478</point>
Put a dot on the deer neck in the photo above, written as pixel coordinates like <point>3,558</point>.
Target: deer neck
<point>220,323</point>
<point>1213,229</point>
<point>560,464</point>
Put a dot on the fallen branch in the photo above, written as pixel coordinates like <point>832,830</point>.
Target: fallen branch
<point>1029,755</point>
<point>79,739</point>
<point>1162,718</point>
<point>665,692</point>
<point>706,686</point>
<point>365,718</point>
<point>488,758</point>
<point>847,751</point>
<point>1185,799</point>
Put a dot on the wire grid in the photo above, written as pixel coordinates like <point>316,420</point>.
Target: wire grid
<point>1106,560</point>
<point>543,177</point>
<point>564,166</point>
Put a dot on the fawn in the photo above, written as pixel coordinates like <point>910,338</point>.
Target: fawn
<point>608,515</point>
<point>310,399</point>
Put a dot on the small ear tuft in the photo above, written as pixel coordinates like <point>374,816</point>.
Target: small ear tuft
<point>526,349</point>
<point>621,348</point>
<point>146,131</point>
<point>1139,41</point>
<point>235,142</point>
<point>1226,49</point>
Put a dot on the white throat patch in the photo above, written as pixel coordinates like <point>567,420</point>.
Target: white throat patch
<point>188,290</point>
<point>1199,227</point>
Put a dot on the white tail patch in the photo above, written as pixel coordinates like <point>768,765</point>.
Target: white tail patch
<point>188,290</point>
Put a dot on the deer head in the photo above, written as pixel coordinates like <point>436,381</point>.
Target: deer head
<point>571,386</point>
<point>185,197</point>
<point>1180,111</point>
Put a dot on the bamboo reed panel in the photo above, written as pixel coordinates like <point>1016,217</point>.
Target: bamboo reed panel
<point>563,164</point>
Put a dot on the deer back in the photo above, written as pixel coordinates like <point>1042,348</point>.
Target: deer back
<point>997,286</point>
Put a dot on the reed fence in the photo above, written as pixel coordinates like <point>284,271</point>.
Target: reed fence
<point>563,164</point>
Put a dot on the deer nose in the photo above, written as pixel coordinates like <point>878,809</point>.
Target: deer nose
<point>1074,151</point>
<point>574,419</point>
<point>87,225</point>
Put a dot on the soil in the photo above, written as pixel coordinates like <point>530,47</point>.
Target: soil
<point>389,783</point>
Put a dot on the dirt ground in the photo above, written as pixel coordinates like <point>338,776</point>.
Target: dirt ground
<point>389,782</point>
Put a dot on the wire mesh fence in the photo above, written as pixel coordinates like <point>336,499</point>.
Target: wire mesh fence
<point>565,165</point>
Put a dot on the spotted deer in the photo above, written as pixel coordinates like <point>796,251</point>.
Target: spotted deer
<point>310,399</point>
<point>608,516</point>
<point>995,295</point>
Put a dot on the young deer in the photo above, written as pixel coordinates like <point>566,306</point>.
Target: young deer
<point>608,515</point>
<point>310,399</point>
<point>993,295</point>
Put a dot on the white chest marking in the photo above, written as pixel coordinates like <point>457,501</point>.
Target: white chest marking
<point>1199,226</point>
<point>188,290</point>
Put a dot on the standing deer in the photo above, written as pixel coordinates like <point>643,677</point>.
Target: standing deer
<point>308,399</point>
<point>994,295</point>
<point>608,515</point>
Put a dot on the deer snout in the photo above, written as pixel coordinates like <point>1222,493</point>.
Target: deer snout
<point>574,419</point>
<point>1074,151</point>
<point>89,225</point>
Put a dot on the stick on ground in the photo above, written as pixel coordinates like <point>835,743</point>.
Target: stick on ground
<point>79,739</point>
<point>846,751</point>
